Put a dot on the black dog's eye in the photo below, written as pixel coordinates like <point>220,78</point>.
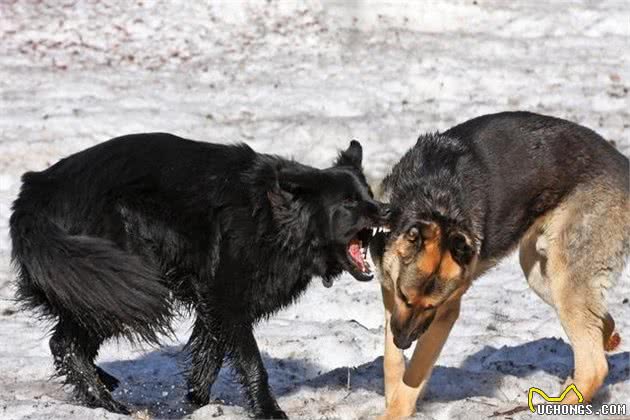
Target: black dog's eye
<point>349,202</point>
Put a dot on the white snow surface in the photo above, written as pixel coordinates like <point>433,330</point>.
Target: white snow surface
<point>301,80</point>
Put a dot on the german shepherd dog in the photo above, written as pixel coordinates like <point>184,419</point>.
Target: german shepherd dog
<point>108,242</point>
<point>463,199</point>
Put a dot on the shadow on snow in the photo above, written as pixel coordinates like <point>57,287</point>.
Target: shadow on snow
<point>156,382</point>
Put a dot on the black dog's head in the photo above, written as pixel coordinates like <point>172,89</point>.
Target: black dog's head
<point>336,207</point>
<point>352,212</point>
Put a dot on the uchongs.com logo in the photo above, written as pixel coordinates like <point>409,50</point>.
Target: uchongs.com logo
<point>570,409</point>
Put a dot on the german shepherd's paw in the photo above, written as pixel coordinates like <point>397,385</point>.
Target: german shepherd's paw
<point>613,342</point>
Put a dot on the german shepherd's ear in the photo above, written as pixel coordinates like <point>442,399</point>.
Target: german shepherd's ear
<point>461,247</point>
<point>352,156</point>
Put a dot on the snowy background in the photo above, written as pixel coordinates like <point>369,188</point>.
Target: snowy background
<point>302,80</point>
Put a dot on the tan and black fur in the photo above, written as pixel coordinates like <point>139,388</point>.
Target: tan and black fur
<point>464,199</point>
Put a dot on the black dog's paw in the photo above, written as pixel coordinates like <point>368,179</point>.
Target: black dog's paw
<point>116,407</point>
<point>110,382</point>
<point>274,413</point>
<point>108,404</point>
<point>197,397</point>
<point>279,414</point>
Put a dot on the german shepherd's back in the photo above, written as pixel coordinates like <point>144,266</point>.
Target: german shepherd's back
<point>509,169</point>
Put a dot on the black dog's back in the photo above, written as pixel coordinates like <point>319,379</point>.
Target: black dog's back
<point>152,160</point>
<point>68,230</point>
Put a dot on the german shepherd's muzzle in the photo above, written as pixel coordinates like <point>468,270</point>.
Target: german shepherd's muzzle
<point>428,264</point>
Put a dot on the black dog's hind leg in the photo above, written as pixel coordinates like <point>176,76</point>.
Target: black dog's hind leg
<point>110,382</point>
<point>207,350</point>
<point>74,350</point>
<point>249,366</point>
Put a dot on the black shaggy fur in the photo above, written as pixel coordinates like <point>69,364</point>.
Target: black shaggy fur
<point>491,177</point>
<point>108,241</point>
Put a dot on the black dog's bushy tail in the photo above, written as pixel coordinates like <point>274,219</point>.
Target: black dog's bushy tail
<point>90,280</point>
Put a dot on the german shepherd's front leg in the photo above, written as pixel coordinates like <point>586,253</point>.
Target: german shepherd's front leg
<point>393,360</point>
<point>406,394</point>
<point>249,366</point>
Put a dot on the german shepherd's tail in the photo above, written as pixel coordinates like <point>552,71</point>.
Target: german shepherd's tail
<point>84,279</point>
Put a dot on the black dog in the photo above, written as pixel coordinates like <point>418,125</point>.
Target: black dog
<point>108,241</point>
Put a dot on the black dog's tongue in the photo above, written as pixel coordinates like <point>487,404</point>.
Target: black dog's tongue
<point>327,282</point>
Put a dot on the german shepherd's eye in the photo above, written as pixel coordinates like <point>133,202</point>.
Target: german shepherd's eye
<point>404,298</point>
<point>462,252</point>
<point>430,287</point>
<point>412,234</point>
<point>349,202</point>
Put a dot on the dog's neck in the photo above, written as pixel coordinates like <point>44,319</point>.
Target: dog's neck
<point>291,235</point>
<point>290,226</point>
<point>439,197</point>
<point>426,181</point>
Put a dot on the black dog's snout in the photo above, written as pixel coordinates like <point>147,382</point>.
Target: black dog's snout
<point>385,212</point>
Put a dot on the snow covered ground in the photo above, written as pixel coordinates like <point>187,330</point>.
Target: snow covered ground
<point>302,80</point>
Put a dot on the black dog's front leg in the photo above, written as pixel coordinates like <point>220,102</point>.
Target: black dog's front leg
<point>207,349</point>
<point>252,373</point>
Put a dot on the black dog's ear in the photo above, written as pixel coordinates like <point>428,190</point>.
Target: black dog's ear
<point>278,197</point>
<point>461,247</point>
<point>352,156</point>
<point>290,183</point>
<point>298,180</point>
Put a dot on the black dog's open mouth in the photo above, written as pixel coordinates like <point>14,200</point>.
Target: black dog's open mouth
<point>356,252</point>
<point>352,256</point>
<point>355,259</point>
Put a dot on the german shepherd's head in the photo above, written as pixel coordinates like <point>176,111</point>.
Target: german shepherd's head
<point>423,262</point>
